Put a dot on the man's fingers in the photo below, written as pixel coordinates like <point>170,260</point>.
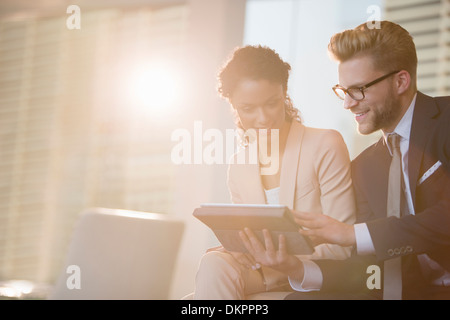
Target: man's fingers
<point>308,232</point>
<point>310,220</point>
<point>310,224</point>
<point>313,236</point>
<point>304,215</point>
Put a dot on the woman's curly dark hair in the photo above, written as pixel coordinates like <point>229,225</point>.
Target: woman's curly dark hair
<point>256,62</point>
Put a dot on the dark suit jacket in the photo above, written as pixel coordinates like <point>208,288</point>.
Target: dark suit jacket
<point>428,231</point>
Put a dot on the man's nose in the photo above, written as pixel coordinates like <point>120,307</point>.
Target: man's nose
<point>349,102</point>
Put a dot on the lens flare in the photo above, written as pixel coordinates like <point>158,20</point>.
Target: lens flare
<point>154,87</point>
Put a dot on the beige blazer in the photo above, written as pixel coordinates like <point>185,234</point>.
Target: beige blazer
<point>315,177</point>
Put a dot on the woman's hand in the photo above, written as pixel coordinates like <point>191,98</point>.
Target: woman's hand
<point>268,255</point>
<point>245,259</point>
<point>324,229</point>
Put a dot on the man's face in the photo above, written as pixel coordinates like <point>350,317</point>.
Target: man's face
<point>381,108</point>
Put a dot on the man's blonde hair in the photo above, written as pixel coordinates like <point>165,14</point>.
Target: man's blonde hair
<point>390,46</point>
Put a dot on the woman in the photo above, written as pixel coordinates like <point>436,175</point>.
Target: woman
<point>312,173</point>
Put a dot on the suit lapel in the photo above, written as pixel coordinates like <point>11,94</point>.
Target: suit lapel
<point>289,165</point>
<point>422,124</point>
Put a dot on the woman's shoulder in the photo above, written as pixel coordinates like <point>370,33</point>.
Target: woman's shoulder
<point>322,137</point>
<point>326,145</point>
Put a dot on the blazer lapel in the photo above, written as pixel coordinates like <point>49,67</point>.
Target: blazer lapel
<point>422,123</point>
<point>289,164</point>
<point>253,182</point>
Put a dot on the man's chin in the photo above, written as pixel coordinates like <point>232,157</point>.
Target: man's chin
<point>365,129</point>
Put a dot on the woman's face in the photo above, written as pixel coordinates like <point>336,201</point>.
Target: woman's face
<point>259,104</point>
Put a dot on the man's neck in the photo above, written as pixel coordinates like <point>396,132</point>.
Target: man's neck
<point>404,101</point>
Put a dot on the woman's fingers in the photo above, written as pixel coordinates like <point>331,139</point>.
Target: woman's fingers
<point>255,244</point>
<point>260,252</point>
<point>244,259</point>
<point>270,247</point>
<point>248,243</point>
<point>218,248</point>
<point>282,247</point>
<point>266,252</point>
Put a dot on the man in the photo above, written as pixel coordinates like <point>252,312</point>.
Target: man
<point>409,250</point>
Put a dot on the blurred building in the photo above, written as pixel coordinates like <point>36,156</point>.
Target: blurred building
<point>429,23</point>
<point>73,133</point>
<point>68,139</point>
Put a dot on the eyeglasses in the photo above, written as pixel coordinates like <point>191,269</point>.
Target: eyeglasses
<point>357,93</point>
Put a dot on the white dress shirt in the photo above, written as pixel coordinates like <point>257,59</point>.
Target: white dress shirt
<point>272,195</point>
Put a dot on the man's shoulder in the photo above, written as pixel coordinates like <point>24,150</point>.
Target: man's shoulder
<point>442,103</point>
<point>444,106</point>
<point>441,118</point>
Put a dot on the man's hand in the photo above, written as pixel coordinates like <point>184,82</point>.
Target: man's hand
<point>269,256</point>
<point>324,229</point>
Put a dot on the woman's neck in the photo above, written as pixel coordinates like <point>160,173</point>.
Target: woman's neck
<point>272,156</point>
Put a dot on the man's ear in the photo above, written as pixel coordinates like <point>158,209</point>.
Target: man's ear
<point>402,81</point>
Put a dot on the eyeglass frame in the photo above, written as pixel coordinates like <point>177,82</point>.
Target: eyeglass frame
<point>362,88</point>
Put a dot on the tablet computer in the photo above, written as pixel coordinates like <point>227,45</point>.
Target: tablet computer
<point>226,220</point>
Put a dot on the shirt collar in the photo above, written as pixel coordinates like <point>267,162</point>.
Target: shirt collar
<point>403,128</point>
